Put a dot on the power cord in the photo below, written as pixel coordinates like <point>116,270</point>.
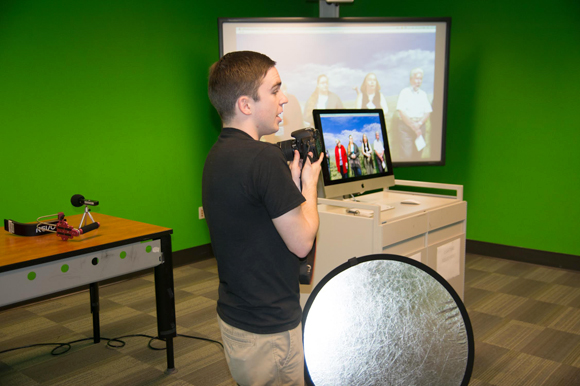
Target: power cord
<point>113,343</point>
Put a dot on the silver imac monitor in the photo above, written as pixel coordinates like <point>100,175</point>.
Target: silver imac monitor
<point>357,157</point>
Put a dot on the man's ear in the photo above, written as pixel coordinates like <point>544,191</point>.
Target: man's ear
<point>244,104</point>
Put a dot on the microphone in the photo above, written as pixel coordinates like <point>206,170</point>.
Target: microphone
<point>79,200</point>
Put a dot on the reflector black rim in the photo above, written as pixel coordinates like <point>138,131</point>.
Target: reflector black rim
<point>355,261</point>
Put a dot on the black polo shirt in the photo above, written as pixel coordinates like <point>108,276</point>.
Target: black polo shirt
<point>247,183</point>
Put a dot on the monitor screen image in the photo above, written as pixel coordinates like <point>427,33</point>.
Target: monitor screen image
<point>357,157</point>
<point>398,65</point>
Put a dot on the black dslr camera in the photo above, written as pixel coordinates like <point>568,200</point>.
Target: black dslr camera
<point>305,140</point>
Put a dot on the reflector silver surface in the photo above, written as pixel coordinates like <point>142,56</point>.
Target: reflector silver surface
<point>385,322</point>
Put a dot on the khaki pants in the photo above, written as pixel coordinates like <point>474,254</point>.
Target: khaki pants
<point>264,359</point>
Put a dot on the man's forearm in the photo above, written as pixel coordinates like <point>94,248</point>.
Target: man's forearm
<point>298,227</point>
<point>310,209</point>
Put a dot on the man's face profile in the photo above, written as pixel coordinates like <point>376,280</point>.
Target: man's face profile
<point>268,108</point>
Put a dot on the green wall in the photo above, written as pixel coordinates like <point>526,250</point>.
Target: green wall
<point>108,99</point>
<point>513,139</point>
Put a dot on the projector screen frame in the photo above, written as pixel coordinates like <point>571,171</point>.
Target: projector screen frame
<point>437,123</point>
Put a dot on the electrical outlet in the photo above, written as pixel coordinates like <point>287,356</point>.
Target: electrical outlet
<point>201,213</point>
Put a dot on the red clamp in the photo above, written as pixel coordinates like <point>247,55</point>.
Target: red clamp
<point>65,231</point>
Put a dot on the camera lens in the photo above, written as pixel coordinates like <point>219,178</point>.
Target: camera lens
<point>288,149</point>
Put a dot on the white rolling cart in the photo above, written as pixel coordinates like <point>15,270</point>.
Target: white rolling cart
<point>432,232</point>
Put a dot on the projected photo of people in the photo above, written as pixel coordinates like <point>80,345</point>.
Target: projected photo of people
<point>329,67</point>
<point>414,110</point>
<point>357,158</point>
<point>321,98</point>
<point>370,96</point>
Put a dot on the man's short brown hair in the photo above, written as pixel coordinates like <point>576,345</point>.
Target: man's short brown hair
<point>234,75</point>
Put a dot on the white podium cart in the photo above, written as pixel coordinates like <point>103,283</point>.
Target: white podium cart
<point>432,232</point>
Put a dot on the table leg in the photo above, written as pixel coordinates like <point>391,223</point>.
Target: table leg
<point>94,291</point>
<point>165,300</point>
<point>170,362</point>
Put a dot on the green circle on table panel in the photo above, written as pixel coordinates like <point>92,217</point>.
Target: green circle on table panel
<point>32,276</point>
<point>148,249</point>
<point>64,268</point>
<point>123,255</point>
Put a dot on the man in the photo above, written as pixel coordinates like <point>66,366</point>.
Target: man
<point>259,221</point>
<point>414,110</point>
<point>379,150</point>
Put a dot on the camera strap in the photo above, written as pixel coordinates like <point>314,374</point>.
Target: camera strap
<point>29,229</point>
<point>307,266</point>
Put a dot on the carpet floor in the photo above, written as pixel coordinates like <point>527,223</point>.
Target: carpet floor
<point>526,322</point>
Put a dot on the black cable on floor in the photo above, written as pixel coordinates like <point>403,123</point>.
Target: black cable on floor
<point>152,338</point>
<point>113,343</point>
<point>54,351</point>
